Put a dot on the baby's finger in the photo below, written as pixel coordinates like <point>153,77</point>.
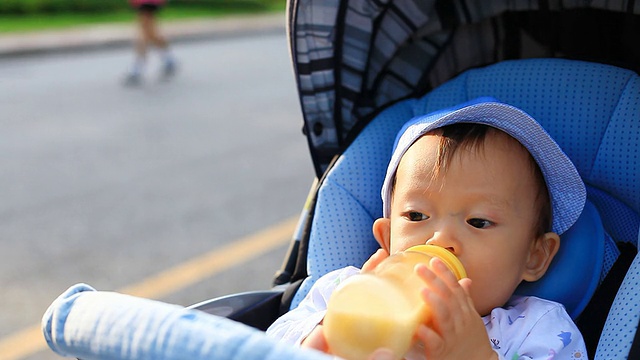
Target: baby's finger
<point>316,340</point>
<point>446,298</point>
<point>433,281</point>
<point>439,267</point>
<point>458,293</point>
<point>375,260</point>
<point>434,344</point>
<point>465,284</point>
<point>442,318</point>
<point>382,354</point>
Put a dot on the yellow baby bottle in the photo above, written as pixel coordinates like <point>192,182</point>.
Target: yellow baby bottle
<point>382,308</point>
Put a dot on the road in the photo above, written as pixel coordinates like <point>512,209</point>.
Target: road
<point>111,185</point>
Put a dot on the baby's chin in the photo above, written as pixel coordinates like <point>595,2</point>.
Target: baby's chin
<point>485,302</point>
<point>485,309</point>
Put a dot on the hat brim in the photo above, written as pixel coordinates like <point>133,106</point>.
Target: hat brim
<point>566,188</point>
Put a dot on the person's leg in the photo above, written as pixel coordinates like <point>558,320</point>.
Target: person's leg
<point>151,30</point>
<point>155,38</point>
<point>141,48</point>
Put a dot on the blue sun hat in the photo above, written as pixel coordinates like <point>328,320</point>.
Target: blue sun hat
<point>566,189</point>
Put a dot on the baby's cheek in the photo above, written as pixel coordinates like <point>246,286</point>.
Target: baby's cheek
<point>482,294</point>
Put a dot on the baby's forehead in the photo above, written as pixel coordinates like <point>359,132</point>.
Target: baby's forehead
<point>432,155</point>
<point>473,142</point>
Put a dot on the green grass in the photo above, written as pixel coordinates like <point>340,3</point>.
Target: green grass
<point>38,22</point>
<point>57,21</point>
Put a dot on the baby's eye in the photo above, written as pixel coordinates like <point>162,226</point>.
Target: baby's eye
<point>479,223</point>
<point>416,216</point>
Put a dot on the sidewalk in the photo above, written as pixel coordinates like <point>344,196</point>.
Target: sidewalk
<point>101,36</point>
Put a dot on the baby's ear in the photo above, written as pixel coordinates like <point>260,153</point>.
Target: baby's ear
<point>382,233</point>
<point>542,251</point>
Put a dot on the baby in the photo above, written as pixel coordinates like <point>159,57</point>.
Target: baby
<point>486,182</point>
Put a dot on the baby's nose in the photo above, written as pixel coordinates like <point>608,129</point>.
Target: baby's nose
<point>445,240</point>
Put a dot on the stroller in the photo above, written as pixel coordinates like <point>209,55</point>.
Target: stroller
<point>364,67</point>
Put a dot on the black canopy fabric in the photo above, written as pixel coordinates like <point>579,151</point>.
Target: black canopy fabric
<point>353,58</point>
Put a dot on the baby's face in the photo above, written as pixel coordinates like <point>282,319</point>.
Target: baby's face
<point>481,207</point>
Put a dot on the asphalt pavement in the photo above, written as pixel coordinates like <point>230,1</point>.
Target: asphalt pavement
<point>105,169</point>
<point>85,38</point>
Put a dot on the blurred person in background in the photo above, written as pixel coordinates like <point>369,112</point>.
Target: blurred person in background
<point>149,36</point>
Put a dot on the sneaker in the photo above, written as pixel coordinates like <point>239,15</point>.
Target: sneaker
<point>133,79</point>
<point>169,69</point>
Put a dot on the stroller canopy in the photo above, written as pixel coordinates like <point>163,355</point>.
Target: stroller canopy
<point>353,58</point>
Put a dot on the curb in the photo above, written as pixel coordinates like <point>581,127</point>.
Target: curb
<point>110,36</point>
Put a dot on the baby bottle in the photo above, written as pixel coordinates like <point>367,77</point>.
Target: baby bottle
<point>382,308</point>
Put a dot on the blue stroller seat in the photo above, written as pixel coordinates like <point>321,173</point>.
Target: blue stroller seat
<point>591,110</point>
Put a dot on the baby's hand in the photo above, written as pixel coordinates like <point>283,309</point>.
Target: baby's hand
<point>456,330</point>
<point>375,260</point>
<point>316,340</point>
